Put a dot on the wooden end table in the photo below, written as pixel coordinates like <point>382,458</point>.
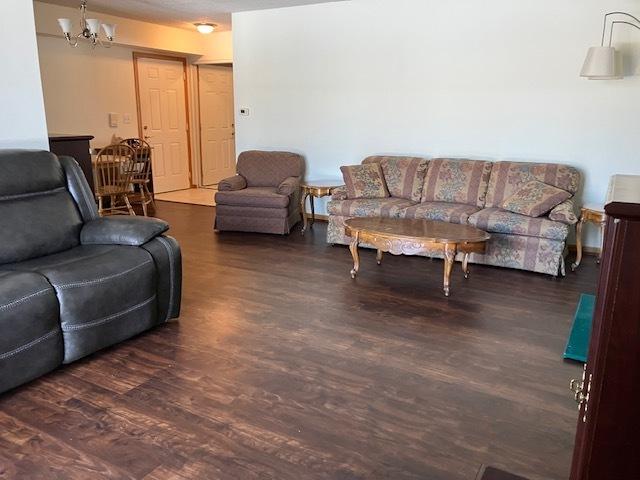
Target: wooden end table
<point>314,189</point>
<point>401,236</point>
<point>592,214</point>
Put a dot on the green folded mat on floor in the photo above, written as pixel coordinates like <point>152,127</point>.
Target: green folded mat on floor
<point>578,343</point>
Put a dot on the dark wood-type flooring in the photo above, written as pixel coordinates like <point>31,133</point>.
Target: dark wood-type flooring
<point>282,367</point>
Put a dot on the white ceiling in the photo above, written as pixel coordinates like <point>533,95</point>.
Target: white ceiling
<point>182,13</point>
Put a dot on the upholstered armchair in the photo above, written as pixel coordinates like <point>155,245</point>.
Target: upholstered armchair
<point>264,196</point>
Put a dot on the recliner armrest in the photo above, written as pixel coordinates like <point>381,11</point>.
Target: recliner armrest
<point>237,182</point>
<point>289,186</point>
<point>134,231</point>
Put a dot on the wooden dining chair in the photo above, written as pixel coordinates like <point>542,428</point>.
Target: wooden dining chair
<point>142,173</point>
<point>113,171</point>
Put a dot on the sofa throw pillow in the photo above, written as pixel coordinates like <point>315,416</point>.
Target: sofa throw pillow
<point>535,198</point>
<point>364,181</point>
<point>404,176</point>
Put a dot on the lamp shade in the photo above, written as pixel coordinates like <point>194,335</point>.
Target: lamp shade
<point>93,24</point>
<point>109,30</point>
<point>65,24</point>
<point>601,64</point>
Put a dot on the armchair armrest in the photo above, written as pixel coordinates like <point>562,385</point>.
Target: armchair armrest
<point>237,182</point>
<point>134,231</point>
<point>339,193</point>
<point>564,212</point>
<point>289,186</point>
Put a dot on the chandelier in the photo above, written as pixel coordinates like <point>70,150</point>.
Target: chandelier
<point>90,29</point>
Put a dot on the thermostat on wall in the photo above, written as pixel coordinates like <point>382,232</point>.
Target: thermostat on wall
<point>244,111</point>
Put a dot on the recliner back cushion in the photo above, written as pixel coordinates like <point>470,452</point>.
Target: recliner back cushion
<point>508,177</point>
<point>38,216</point>
<point>269,169</point>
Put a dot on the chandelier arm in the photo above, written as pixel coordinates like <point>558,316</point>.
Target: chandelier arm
<point>606,16</point>
<point>614,23</point>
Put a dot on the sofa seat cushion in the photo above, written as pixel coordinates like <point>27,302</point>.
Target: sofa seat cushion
<point>30,339</point>
<point>107,293</point>
<point>368,207</point>
<point>265,197</point>
<point>457,180</point>
<point>442,211</point>
<point>496,220</point>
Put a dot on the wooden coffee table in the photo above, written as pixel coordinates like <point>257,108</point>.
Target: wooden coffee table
<point>401,236</point>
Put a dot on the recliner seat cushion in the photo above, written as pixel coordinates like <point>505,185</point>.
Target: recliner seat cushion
<point>30,336</point>
<point>440,211</point>
<point>265,197</point>
<point>496,220</point>
<point>368,207</point>
<point>38,215</point>
<point>106,294</point>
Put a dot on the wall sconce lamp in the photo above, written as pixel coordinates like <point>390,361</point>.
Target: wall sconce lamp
<point>604,62</point>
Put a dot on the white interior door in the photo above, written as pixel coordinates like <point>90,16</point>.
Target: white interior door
<point>217,132</point>
<point>164,121</point>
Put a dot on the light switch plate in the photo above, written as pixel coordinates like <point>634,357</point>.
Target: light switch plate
<point>113,119</point>
<point>126,118</point>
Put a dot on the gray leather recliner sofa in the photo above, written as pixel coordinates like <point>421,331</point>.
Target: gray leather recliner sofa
<point>72,283</point>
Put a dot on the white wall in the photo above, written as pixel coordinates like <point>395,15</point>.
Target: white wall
<point>82,86</point>
<point>496,79</point>
<point>22,121</point>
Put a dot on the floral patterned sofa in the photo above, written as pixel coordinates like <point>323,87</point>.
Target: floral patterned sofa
<point>471,192</point>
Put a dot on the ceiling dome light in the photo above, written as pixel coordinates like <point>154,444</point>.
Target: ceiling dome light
<point>205,27</point>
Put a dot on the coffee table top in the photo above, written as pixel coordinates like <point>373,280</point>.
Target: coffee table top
<point>420,230</point>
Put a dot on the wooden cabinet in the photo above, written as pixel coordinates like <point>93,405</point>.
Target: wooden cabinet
<point>608,433</point>
<point>76,146</point>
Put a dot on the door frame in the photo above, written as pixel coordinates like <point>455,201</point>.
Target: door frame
<point>171,58</point>
<point>214,64</point>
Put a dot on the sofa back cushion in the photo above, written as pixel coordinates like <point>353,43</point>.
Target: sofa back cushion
<point>404,176</point>
<point>364,181</point>
<point>508,177</point>
<point>38,216</point>
<point>457,180</point>
<point>269,169</point>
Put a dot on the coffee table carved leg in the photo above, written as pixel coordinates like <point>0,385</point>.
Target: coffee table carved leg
<point>465,265</point>
<point>449,257</point>
<point>579,226</point>
<point>379,257</point>
<point>303,210</point>
<point>353,247</point>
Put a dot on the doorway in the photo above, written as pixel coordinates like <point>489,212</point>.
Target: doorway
<point>161,90</point>
<point>217,124</point>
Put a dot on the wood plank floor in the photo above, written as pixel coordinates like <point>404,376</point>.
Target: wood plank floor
<point>282,367</point>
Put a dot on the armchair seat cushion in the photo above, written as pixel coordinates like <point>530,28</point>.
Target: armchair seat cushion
<point>369,207</point>
<point>30,336</point>
<point>496,220</point>
<point>441,211</point>
<point>266,197</point>
<point>106,293</point>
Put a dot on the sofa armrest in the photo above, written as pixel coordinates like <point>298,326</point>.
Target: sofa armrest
<point>237,182</point>
<point>289,186</point>
<point>339,193</point>
<point>564,213</point>
<point>134,231</point>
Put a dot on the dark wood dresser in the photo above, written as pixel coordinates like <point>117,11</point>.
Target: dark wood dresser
<point>76,146</point>
<point>608,433</point>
